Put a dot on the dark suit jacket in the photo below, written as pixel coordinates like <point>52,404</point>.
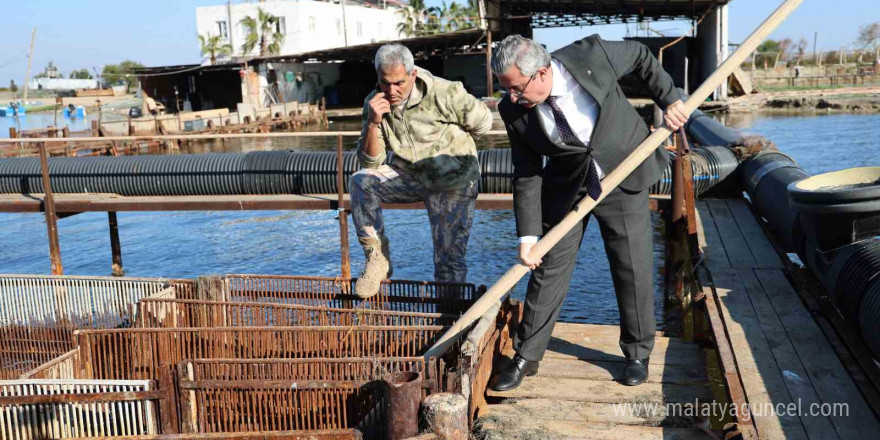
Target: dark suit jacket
<point>542,196</point>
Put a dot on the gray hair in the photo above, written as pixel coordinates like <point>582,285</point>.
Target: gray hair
<point>391,55</point>
<point>522,52</point>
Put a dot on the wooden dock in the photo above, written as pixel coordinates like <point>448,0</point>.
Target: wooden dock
<point>576,394</point>
<point>783,357</point>
<point>789,374</point>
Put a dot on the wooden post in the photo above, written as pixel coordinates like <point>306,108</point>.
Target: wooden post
<point>115,248</point>
<point>95,128</point>
<point>446,415</point>
<point>51,218</point>
<point>489,91</point>
<point>343,214</point>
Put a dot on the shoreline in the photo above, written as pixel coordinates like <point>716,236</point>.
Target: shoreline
<point>846,100</point>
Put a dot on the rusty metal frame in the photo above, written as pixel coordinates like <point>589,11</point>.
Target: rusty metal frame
<point>170,313</point>
<point>732,380</point>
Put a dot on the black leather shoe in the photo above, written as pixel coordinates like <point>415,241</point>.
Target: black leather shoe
<point>512,374</point>
<point>636,372</point>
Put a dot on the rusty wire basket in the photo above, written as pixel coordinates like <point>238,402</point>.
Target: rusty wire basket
<point>398,295</point>
<point>140,353</point>
<point>169,313</point>
<point>45,409</point>
<point>40,312</point>
<point>235,395</point>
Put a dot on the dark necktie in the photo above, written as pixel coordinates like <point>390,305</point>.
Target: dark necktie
<point>593,186</point>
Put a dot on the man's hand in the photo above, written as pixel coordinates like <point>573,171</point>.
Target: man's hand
<point>675,116</point>
<point>524,249</point>
<point>378,107</point>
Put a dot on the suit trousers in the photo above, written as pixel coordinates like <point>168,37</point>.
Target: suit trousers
<point>625,224</point>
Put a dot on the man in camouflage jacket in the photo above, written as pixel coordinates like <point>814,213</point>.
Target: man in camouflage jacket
<point>428,124</point>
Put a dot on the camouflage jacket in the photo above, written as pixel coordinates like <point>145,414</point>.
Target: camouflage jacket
<point>432,136</point>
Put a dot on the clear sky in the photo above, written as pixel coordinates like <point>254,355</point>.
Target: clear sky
<point>91,33</point>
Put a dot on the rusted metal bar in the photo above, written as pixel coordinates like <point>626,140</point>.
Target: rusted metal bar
<point>115,247</point>
<point>172,312</point>
<point>119,396</point>
<point>489,78</point>
<point>332,434</point>
<point>260,384</point>
<point>677,183</point>
<point>341,211</point>
<point>168,400</point>
<point>688,183</point>
<point>404,396</point>
<point>143,353</point>
<point>51,218</point>
<point>732,381</point>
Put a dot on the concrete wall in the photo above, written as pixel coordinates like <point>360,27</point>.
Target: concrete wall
<point>309,25</point>
<point>62,84</point>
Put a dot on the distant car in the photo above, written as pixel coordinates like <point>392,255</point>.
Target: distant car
<point>135,112</point>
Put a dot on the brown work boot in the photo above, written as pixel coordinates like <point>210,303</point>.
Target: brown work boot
<point>376,268</point>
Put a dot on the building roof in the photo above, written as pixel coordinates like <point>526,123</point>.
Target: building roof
<point>438,44</point>
<point>183,68</point>
<point>559,13</point>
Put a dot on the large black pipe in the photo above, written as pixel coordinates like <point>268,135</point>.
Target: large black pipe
<point>267,172</point>
<point>765,177</point>
<point>706,130</point>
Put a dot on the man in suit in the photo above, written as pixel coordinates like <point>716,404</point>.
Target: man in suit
<point>569,107</point>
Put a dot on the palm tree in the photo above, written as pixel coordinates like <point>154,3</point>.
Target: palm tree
<point>262,31</point>
<point>213,45</point>
<point>414,19</point>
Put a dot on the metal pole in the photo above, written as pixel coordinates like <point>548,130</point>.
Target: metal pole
<point>343,214</point>
<point>115,248</point>
<point>27,77</point>
<point>489,91</point>
<point>51,218</point>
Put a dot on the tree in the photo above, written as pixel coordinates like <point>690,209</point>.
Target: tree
<point>869,36</point>
<point>124,71</point>
<point>767,48</point>
<point>784,45</point>
<point>801,48</point>
<point>12,87</point>
<point>418,20</point>
<point>80,74</point>
<point>213,45</point>
<point>413,18</point>
<point>262,31</point>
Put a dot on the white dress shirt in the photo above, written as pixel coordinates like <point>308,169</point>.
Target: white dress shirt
<point>580,110</point>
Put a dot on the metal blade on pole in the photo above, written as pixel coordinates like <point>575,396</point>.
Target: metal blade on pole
<point>647,147</point>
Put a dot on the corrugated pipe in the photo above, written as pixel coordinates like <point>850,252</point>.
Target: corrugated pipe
<point>266,172</point>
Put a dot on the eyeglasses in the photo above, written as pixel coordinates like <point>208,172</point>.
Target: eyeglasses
<point>519,93</point>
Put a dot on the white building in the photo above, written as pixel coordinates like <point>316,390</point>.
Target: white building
<point>307,25</point>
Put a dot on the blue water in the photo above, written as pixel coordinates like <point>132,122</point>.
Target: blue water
<point>42,120</point>
<point>187,244</point>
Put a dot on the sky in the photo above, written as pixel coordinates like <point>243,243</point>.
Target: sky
<point>92,33</point>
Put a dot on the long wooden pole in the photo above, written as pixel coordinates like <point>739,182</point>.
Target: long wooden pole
<point>510,278</point>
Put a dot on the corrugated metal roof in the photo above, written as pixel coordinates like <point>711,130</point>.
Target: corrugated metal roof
<point>557,13</point>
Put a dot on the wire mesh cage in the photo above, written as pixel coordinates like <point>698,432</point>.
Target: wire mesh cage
<point>233,395</point>
<point>40,313</point>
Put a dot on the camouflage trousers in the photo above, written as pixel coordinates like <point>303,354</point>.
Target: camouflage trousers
<point>450,213</point>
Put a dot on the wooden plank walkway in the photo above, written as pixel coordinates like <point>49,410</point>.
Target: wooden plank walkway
<point>575,394</point>
<point>784,360</point>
